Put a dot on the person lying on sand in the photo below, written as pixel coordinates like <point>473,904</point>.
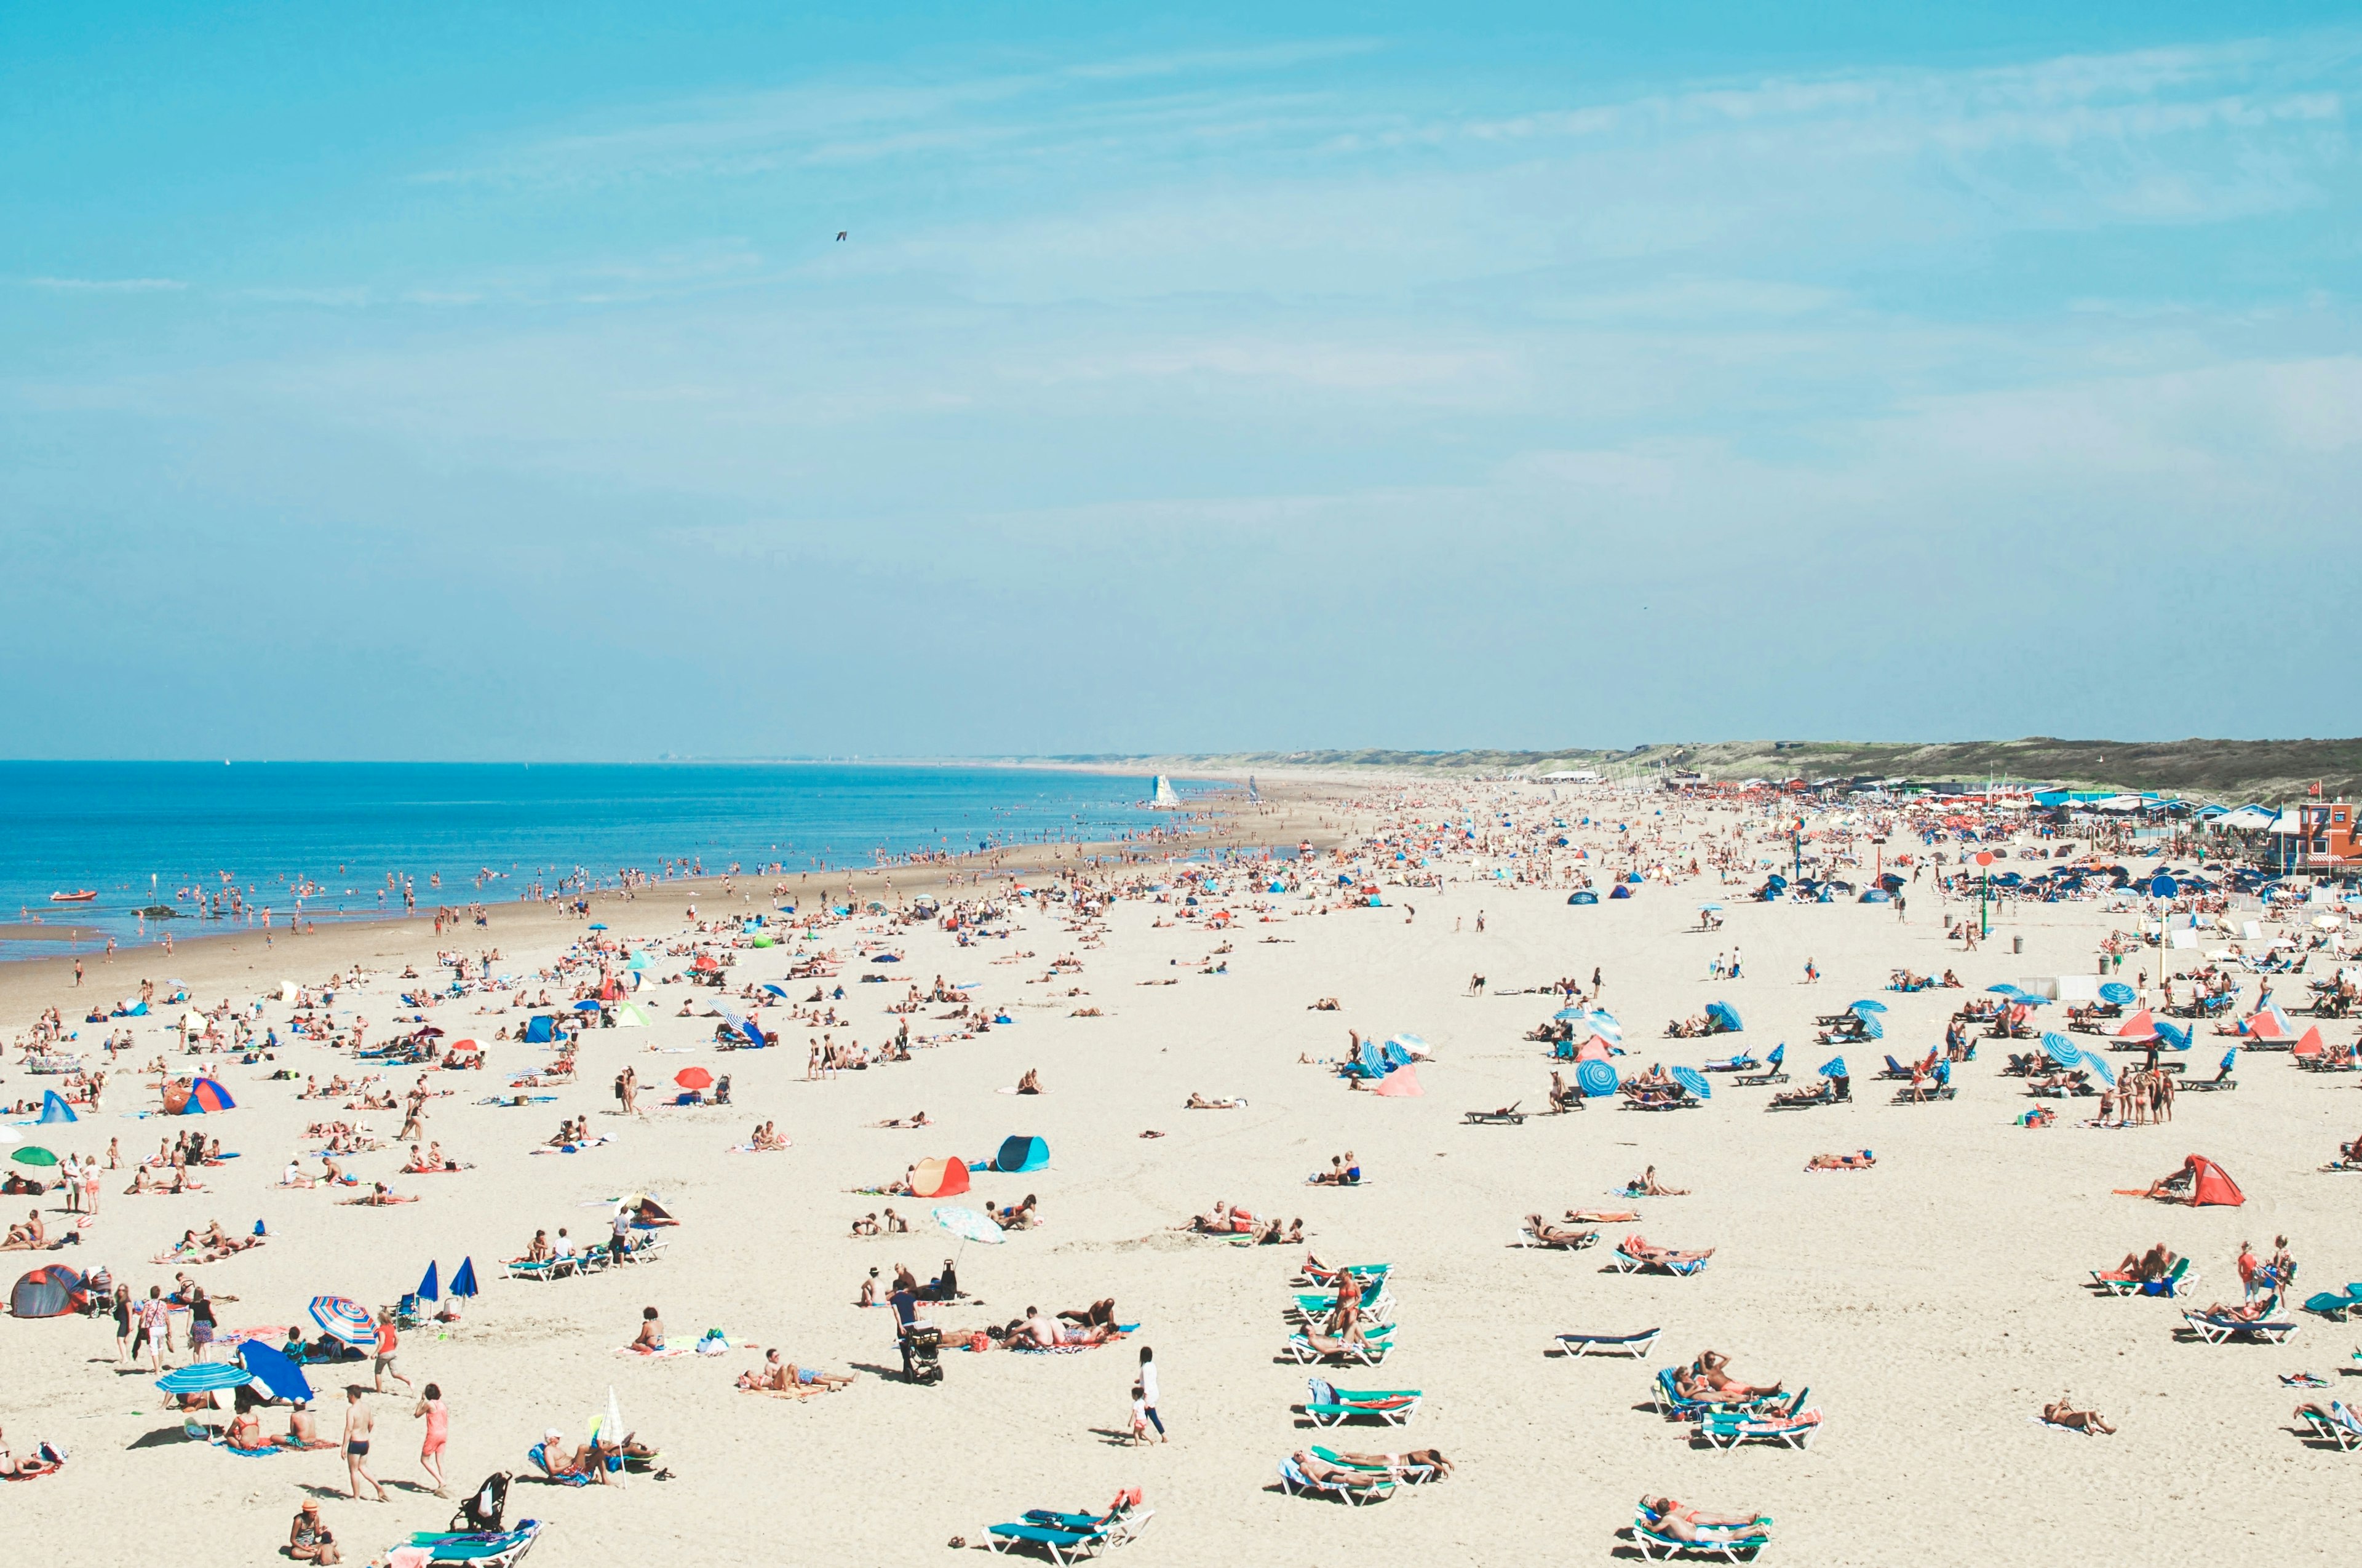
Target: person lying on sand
<point>1045,1333</point>
<point>1199,1102</point>
<point>778,1377</point>
<point>2060,1413</point>
<point>1602,1216</point>
<point>1861,1162</point>
<point>1646,1185</point>
<point>1273,1233</point>
<point>917,1119</point>
<point>1101,1311</point>
<point>1219,1223</point>
<point>380,1196</point>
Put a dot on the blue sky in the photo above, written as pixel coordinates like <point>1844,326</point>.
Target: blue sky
<point>417,382</point>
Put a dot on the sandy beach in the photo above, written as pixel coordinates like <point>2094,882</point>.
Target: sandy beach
<point>1932,1305</point>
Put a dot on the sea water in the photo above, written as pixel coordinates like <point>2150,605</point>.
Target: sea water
<point>144,834</point>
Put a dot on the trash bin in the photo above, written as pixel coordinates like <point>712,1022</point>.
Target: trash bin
<point>2017,944</point>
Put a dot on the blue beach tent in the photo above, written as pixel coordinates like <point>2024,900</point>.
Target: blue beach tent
<point>1021,1153</point>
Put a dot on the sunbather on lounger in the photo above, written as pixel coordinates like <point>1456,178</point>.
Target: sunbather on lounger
<point>1430,1459</point>
<point>2153,1263</point>
<point>1327,1345</point>
<point>1329,1475</point>
<point>2060,1413</point>
<point>1861,1162</point>
<point>1686,1523</point>
<point>1551,1235</point>
<point>1710,1371</point>
<point>1822,1092</point>
<point>2257,1310</point>
<point>1641,1247</point>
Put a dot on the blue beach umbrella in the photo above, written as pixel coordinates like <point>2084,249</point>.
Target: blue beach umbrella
<point>1874,1027</point>
<point>598,925</point>
<point>2117,992</point>
<point>1726,1014</point>
<point>464,1282</point>
<point>1596,1078</point>
<point>2174,1034</point>
<point>1568,1014</point>
<point>271,1368</point>
<point>2005,989</point>
<point>2098,1069</point>
<point>431,1287</point>
<point>1866,1005</point>
<point>1835,1067</point>
<point>1694,1081</point>
<point>970,1226</point>
<point>2061,1049</point>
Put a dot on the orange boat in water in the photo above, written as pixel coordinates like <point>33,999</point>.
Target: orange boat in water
<point>86,896</point>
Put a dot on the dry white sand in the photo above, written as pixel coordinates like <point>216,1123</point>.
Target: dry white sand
<point>1931,1305</point>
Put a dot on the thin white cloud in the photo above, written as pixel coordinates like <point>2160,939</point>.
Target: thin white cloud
<point>109,285</point>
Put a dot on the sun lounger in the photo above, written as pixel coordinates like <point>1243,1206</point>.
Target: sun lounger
<point>1634,1345</point>
<point>1742,1062</point>
<point>2329,1304</point>
<point>1725,1431</point>
<point>1371,1353</point>
<point>1732,1545</point>
<point>477,1547</point>
<point>1773,1072</point>
<point>1299,1483</point>
<point>1896,1069</point>
<point>1507,1116</point>
<point>2339,1424</point>
<point>2217,1331</point>
<point>546,1270</point>
<point>1062,1546</point>
<point>2116,1284</point>
<point>1328,1404</point>
<point>1625,1263</point>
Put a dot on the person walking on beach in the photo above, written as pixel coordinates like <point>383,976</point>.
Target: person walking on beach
<point>387,1341</point>
<point>77,971</point>
<point>438,1431</point>
<point>357,1423</point>
<point>1148,1392</point>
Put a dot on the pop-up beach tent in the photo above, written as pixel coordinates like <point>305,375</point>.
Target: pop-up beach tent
<point>50,1291</point>
<point>54,1107</point>
<point>1021,1153</point>
<point>939,1178</point>
<point>2211,1184</point>
<point>1402,1082</point>
<point>540,1031</point>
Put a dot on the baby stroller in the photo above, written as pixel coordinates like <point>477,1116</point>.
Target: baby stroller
<point>482,1508</point>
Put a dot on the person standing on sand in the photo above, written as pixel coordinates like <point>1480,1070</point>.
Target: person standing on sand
<point>1148,1392</point>
<point>357,1423</point>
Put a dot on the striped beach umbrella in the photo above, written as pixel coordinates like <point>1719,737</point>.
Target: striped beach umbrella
<point>346,1319</point>
<point>1694,1081</point>
<point>1596,1078</point>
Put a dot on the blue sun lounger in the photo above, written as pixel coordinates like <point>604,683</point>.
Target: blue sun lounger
<point>1728,1545</point>
<point>1634,1345</point>
<point>1328,1404</point>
